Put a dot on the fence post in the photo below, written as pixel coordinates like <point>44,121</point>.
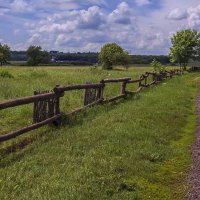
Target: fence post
<point>145,79</point>
<point>140,82</point>
<point>101,91</point>
<point>123,88</point>
<point>57,106</point>
<point>34,109</point>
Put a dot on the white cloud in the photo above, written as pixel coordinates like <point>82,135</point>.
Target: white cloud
<point>20,6</point>
<point>85,25</point>
<point>121,15</point>
<point>191,15</point>
<point>91,18</point>
<point>88,30</point>
<point>3,11</point>
<point>16,31</point>
<point>143,2</point>
<point>194,17</point>
<point>177,14</point>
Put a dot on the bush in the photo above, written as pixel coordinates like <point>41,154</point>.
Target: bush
<point>157,66</point>
<point>6,74</point>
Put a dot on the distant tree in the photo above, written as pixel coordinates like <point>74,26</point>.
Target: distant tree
<point>45,57</point>
<point>4,53</point>
<point>185,46</point>
<point>37,56</point>
<point>34,54</point>
<point>1,58</point>
<point>112,54</point>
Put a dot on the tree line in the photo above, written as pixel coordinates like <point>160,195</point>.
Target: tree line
<point>87,58</point>
<point>185,46</point>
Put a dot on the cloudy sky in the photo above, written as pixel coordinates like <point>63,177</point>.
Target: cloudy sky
<point>139,26</point>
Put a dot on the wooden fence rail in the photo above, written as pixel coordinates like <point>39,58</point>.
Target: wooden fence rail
<point>47,103</point>
<point>25,100</point>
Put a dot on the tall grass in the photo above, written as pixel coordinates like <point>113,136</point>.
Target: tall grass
<point>133,149</point>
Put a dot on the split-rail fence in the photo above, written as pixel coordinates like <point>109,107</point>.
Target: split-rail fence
<point>46,104</point>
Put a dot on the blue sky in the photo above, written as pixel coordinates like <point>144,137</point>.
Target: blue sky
<point>139,26</point>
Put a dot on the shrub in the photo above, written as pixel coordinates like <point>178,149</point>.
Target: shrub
<point>157,66</point>
<point>6,74</point>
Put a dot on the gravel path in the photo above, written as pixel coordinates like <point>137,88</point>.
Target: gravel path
<point>194,179</point>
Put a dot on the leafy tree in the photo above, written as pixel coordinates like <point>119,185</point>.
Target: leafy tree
<point>45,57</point>
<point>157,66</point>
<point>112,54</point>
<point>37,56</point>
<point>4,53</point>
<point>34,54</point>
<point>185,46</point>
<point>1,58</point>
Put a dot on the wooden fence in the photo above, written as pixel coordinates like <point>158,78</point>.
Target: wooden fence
<point>47,103</point>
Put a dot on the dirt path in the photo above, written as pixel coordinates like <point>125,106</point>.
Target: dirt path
<point>194,179</point>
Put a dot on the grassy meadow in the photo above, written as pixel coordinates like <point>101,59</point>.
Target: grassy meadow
<point>137,149</point>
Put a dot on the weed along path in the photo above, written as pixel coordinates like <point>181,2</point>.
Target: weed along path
<point>194,180</point>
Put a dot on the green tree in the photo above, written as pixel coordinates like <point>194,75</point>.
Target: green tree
<point>37,56</point>
<point>45,57</point>
<point>112,54</point>
<point>4,53</point>
<point>185,46</point>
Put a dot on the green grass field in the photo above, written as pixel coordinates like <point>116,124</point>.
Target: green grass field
<point>137,148</point>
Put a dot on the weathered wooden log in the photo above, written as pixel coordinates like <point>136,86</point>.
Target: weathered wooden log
<point>131,92</point>
<point>115,80</point>
<point>25,100</point>
<point>141,79</point>
<point>151,73</point>
<point>58,95</point>
<point>28,128</point>
<point>85,107</point>
<point>114,98</point>
<point>139,89</point>
<point>144,85</point>
<point>99,93</point>
<point>145,75</point>
<point>77,87</point>
<point>152,83</point>
<point>102,90</point>
<point>136,91</point>
<point>135,81</point>
<point>123,88</point>
<point>145,81</point>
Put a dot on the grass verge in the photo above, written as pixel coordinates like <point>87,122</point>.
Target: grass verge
<point>134,149</point>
